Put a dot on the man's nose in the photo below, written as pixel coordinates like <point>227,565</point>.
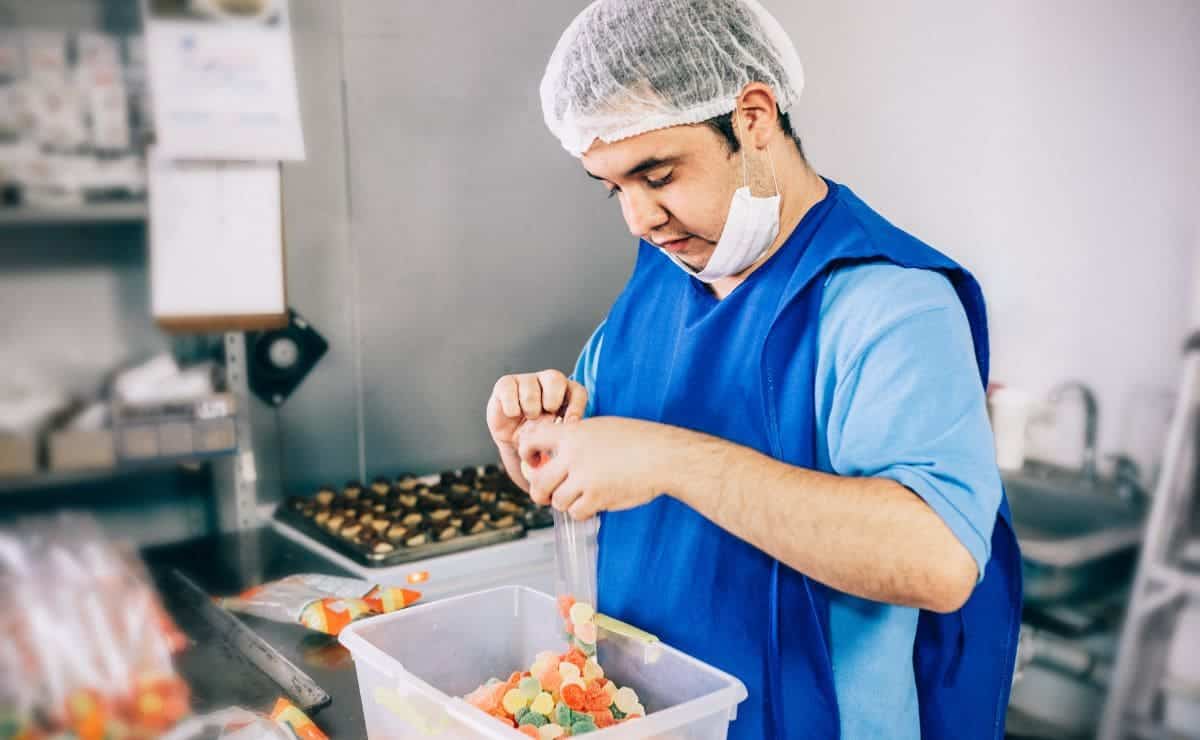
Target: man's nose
<point>643,214</point>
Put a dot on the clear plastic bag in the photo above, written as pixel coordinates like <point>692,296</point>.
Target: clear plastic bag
<point>88,644</point>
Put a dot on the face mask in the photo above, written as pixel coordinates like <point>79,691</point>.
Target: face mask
<point>750,228</point>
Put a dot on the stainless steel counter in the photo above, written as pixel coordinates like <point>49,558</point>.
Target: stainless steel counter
<point>230,563</point>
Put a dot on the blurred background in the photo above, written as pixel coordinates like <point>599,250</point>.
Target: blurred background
<point>436,237</point>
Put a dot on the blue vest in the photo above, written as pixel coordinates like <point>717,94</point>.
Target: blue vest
<point>743,369</point>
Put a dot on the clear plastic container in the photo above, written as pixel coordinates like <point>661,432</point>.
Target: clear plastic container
<point>413,665</point>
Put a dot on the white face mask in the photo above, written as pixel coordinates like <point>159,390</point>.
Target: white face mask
<point>750,229</point>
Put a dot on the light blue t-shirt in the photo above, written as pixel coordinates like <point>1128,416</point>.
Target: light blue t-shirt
<point>897,396</point>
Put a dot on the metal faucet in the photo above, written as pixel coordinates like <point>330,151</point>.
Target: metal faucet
<point>1091,414</point>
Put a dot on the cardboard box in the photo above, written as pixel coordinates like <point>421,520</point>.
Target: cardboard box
<point>93,449</point>
<point>18,455</point>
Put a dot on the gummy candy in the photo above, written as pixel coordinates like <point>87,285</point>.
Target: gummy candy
<point>573,695</point>
<point>626,699</point>
<point>561,695</point>
<point>595,700</point>
<point>586,632</point>
<point>592,669</point>
<point>543,704</point>
<point>530,688</point>
<point>513,701</point>
<point>565,602</point>
<point>603,718</point>
<point>562,715</point>
<point>574,655</point>
<point>582,613</point>
<point>569,671</point>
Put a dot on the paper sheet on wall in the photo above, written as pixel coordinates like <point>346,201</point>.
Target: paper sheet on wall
<point>223,79</point>
<point>216,245</point>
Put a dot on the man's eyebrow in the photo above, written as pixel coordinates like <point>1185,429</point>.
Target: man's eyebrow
<point>649,163</point>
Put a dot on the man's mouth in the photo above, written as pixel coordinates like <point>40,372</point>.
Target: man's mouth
<point>674,245</point>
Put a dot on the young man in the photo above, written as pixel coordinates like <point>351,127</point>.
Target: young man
<point>782,420</point>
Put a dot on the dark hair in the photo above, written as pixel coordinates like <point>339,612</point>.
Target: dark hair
<point>723,125</point>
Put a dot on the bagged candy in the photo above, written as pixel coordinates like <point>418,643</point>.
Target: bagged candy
<point>321,603</point>
<point>87,648</point>
<point>285,722</point>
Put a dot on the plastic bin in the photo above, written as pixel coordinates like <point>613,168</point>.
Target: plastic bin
<point>413,665</point>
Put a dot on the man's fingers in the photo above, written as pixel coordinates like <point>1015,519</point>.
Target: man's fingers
<point>546,480</point>
<point>529,391</point>
<point>584,507</point>
<point>566,495</point>
<point>554,390</point>
<point>537,441</point>
<point>505,394</point>
<point>577,398</point>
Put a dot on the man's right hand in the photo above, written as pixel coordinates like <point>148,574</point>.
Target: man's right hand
<point>527,396</point>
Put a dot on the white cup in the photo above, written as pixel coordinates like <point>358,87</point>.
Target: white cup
<point>1010,410</point>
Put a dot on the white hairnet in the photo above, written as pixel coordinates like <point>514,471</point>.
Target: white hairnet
<point>625,67</point>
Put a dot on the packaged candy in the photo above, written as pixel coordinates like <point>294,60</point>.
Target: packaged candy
<point>87,647</point>
<point>321,603</point>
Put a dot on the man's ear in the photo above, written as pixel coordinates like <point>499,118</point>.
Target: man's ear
<point>758,115</point>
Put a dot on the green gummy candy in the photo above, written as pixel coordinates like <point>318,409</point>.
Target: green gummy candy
<point>535,719</point>
<point>562,715</point>
<point>616,713</point>
<point>583,726</point>
<point>586,648</point>
<point>522,716</point>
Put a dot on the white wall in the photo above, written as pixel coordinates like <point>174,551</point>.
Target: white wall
<point>1051,147</point>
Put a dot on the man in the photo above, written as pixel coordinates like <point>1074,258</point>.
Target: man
<point>781,422</point>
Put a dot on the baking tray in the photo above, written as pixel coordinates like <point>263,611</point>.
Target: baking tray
<point>400,555</point>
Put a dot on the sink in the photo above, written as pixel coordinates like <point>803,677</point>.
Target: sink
<point>1077,536</point>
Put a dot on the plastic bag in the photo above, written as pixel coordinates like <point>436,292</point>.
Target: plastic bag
<point>88,645</point>
<point>319,602</point>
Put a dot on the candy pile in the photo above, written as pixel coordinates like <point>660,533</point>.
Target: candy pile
<point>561,695</point>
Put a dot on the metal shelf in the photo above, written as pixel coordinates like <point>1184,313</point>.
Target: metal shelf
<point>63,479</point>
<point>118,212</point>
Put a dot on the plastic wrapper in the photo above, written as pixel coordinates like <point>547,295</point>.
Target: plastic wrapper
<point>321,603</point>
<point>285,722</point>
<point>88,646</point>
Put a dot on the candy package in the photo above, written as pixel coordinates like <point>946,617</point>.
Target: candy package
<point>285,722</point>
<point>319,602</point>
<point>88,646</point>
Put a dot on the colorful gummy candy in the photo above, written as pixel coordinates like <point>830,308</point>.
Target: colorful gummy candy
<point>561,694</point>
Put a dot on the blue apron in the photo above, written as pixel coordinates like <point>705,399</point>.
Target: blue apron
<point>743,369</point>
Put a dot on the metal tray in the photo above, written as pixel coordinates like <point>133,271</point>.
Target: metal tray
<point>401,555</point>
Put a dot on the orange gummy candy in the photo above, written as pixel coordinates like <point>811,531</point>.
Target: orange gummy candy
<point>604,718</point>
<point>565,602</point>
<point>596,699</point>
<point>574,697</point>
<point>576,656</point>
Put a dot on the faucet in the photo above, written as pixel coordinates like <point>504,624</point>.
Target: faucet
<point>1091,414</point>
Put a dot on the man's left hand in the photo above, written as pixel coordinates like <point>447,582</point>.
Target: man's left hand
<point>598,464</point>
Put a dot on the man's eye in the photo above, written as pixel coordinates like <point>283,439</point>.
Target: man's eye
<point>662,181</point>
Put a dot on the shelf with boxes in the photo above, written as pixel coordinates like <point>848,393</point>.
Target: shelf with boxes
<point>134,438</point>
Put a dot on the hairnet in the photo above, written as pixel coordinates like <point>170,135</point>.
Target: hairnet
<point>625,67</point>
